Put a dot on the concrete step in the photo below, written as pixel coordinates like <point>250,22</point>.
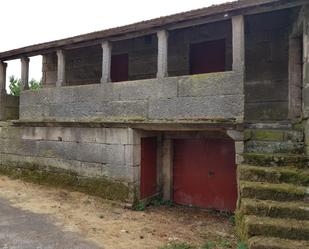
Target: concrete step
<point>260,242</point>
<point>272,191</point>
<point>275,209</point>
<point>279,228</point>
<point>267,160</point>
<point>274,174</point>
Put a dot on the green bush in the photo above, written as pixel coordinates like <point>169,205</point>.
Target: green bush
<point>15,85</point>
<point>34,84</point>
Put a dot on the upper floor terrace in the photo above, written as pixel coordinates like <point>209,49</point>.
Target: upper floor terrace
<point>188,67</point>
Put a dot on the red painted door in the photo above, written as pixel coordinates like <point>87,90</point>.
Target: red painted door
<point>119,67</point>
<point>205,173</point>
<point>148,184</point>
<point>207,57</point>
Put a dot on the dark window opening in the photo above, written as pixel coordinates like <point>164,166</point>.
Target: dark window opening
<point>207,57</point>
<point>120,68</point>
<point>148,39</point>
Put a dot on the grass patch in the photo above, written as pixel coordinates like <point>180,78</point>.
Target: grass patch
<point>241,245</point>
<point>140,206</point>
<point>208,245</point>
<point>155,202</point>
<point>158,201</point>
<point>232,220</point>
<point>223,244</point>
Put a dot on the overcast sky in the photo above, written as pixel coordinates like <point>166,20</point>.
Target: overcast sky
<point>27,22</point>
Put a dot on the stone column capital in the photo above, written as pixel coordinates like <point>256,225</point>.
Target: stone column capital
<point>162,33</point>
<point>106,44</point>
<point>25,59</point>
<point>3,64</point>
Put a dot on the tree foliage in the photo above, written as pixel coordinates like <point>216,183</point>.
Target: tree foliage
<point>15,85</point>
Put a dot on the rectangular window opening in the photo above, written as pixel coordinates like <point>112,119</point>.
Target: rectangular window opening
<point>207,57</point>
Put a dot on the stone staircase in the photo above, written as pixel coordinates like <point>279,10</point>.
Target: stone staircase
<point>273,211</point>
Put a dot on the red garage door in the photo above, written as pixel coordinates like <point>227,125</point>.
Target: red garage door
<point>148,185</point>
<point>205,173</point>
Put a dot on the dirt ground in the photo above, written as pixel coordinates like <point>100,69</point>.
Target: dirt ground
<point>112,226</point>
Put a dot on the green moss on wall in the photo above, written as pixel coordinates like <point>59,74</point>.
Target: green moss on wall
<point>101,187</point>
<point>260,159</point>
<point>268,135</point>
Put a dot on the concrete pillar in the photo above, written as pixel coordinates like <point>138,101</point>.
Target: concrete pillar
<point>3,67</point>
<point>295,78</point>
<point>306,66</point>
<point>238,33</point>
<point>106,62</point>
<point>61,81</point>
<point>167,168</point>
<point>305,95</point>
<point>24,73</point>
<point>162,54</point>
<point>238,137</point>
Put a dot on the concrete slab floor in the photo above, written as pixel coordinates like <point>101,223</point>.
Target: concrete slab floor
<point>20,229</point>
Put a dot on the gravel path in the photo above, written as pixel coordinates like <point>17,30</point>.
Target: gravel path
<point>24,230</point>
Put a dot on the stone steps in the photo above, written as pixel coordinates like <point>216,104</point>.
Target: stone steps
<point>274,140</point>
<point>274,147</point>
<point>272,191</point>
<point>274,134</point>
<point>275,209</point>
<point>274,227</point>
<point>270,160</point>
<point>258,242</point>
<point>290,175</point>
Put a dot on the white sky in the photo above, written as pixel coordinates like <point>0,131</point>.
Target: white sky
<point>34,21</point>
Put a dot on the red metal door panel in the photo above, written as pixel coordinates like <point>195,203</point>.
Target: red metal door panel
<point>207,57</point>
<point>148,185</point>
<point>205,173</point>
<point>120,67</point>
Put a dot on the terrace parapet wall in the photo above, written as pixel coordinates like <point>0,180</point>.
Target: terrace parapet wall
<point>215,96</point>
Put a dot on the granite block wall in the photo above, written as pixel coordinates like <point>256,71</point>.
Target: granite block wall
<point>207,96</point>
<point>266,79</point>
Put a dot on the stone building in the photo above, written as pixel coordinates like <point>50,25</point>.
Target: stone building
<point>207,108</point>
